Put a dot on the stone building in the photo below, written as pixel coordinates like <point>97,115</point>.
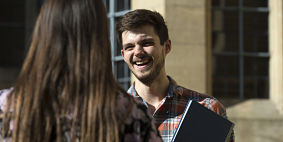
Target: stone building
<point>230,49</point>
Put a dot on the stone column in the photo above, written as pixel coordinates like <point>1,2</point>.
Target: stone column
<point>276,52</point>
<point>156,5</point>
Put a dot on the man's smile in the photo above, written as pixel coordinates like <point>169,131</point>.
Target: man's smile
<point>143,64</point>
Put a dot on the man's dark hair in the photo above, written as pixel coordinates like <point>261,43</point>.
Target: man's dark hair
<point>141,17</point>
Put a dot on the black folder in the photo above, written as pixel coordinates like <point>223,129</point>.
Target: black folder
<point>199,124</point>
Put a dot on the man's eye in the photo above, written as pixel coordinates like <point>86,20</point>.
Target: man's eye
<point>148,43</point>
<point>128,47</point>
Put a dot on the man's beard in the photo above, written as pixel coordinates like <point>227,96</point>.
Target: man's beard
<point>148,79</point>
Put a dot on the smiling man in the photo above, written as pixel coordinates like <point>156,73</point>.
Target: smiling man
<point>145,44</point>
<point>144,57</point>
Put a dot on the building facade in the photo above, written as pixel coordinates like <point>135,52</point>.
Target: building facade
<point>230,49</point>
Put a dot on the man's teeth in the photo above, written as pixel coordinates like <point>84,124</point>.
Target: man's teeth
<point>142,62</point>
<point>139,63</point>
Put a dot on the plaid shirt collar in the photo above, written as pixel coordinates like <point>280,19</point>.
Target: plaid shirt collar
<point>171,91</point>
<point>167,108</point>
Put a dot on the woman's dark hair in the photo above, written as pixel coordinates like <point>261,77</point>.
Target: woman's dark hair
<point>141,17</point>
<point>67,74</point>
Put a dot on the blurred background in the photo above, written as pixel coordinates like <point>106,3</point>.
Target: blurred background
<point>230,49</point>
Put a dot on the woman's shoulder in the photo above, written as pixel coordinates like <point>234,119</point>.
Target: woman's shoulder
<point>132,107</point>
<point>138,124</point>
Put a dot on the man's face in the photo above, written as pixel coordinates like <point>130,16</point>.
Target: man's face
<point>143,53</point>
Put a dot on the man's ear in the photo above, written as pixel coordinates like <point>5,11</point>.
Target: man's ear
<point>122,53</point>
<point>167,46</point>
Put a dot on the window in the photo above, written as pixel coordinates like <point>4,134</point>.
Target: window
<point>240,62</point>
<point>17,19</point>
<point>12,39</point>
<point>115,9</point>
<point>12,29</point>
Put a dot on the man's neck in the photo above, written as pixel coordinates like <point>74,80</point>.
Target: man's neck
<point>155,92</point>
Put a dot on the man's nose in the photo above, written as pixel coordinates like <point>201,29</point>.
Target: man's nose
<point>139,51</point>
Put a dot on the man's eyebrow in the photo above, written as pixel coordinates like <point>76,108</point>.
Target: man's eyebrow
<point>146,40</point>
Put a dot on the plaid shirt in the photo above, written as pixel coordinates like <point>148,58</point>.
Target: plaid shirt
<point>169,112</point>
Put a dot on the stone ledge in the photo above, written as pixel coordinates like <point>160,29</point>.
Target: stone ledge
<point>256,120</point>
<point>255,109</point>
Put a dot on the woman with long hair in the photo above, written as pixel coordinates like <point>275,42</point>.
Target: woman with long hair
<point>66,90</point>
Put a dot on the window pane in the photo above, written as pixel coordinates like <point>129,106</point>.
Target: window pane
<point>255,32</point>
<point>235,3</point>
<point>120,69</point>
<point>122,5</point>
<point>225,76</point>
<point>12,11</point>
<point>256,67</point>
<point>255,87</point>
<point>225,31</point>
<point>106,3</point>
<point>121,66</point>
<point>118,45</point>
<point>225,3</point>
<point>12,46</point>
<point>256,72</point>
<point>228,30</point>
<point>225,66</point>
<point>226,87</point>
<point>118,49</point>
<point>12,39</point>
<point>255,3</point>
<point>122,74</point>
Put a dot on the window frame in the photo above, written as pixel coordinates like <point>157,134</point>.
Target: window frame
<point>117,57</point>
<point>240,8</point>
